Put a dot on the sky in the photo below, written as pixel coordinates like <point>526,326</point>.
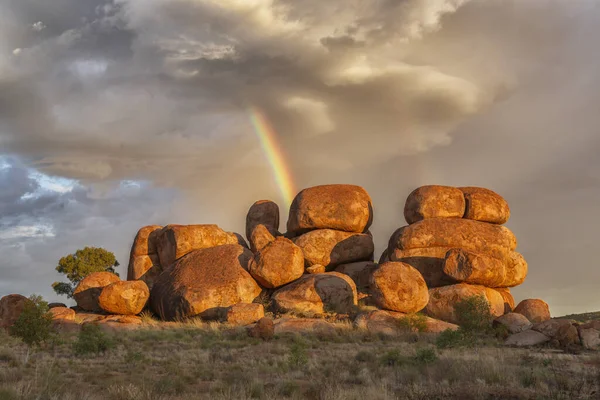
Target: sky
<point>124,113</point>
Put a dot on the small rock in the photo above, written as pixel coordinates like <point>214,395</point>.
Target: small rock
<point>513,322</point>
<point>590,335</point>
<point>316,269</point>
<point>303,325</point>
<point>260,238</point>
<point>526,339</point>
<point>11,307</point>
<point>263,329</point>
<point>399,287</point>
<point>244,313</point>
<point>393,323</point>
<point>535,310</point>
<point>63,313</point>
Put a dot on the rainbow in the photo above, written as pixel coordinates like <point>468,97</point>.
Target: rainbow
<point>274,154</point>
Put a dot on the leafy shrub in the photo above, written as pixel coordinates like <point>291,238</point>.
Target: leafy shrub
<point>449,339</point>
<point>34,325</point>
<point>426,356</point>
<point>474,314</point>
<point>393,358</point>
<point>414,323</point>
<point>92,340</point>
<point>298,356</point>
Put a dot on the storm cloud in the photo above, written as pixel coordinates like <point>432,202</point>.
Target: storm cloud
<point>386,94</point>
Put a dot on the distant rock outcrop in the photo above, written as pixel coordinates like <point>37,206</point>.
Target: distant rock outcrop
<point>11,307</point>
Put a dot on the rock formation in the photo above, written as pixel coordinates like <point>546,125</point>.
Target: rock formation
<point>88,291</point>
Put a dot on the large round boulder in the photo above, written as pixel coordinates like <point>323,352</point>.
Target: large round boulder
<point>428,261</point>
<point>340,207</point>
<point>263,212</point>
<point>124,297</point>
<point>317,294</point>
<point>434,202</point>
<point>88,291</point>
<point>535,310</point>
<point>477,269</point>
<point>204,281</point>
<point>331,248</point>
<point>11,307</point>
<point>494,240</point>
<point>145,241</point>
<point>516,270</point>
<point>175,241</point>
<point>442,300</point>
<point>278,263</point>
<point>360,272</point>
<point>399,287</point>
<point>485,205</point>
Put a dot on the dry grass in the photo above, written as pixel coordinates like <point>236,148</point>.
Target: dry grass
<point>203,361</point>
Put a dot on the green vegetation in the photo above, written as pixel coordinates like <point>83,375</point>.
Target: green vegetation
<point>34,325</point>
<point>80,264</point>
<point>92,340</point>
<point>474,314</point>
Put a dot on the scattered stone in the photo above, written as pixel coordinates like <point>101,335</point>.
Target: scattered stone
<point>260,238</point>
<point>442,300</point>
<point>316,294</point>
<point>477,269</point>
<point>331,248</point>
<point>428,261</point>
<point>340,207</point>
<point>560,330</point>
<point>485,205</point>
<point>63,313</point>
<point>278,263</point>
<point>87,292</point>
<point>175,241</point>
<point>303,325</point>
<point>54,305</point>
<point>399,287</point>
<point>589,334</point>
<point>494,240</point>
<point>535,310</point>
<point>202,280</point>
<point>516,270</point>
<point>124,298</point>
<point>513,322</point>
<point>316,269</point>
<point>244,313</point>
<point>263,212</point>
<point>394,323</point>
<point>360,272</point>
<point>434,202</point>
<point>263,329</point>
<point>526,339</point>
<point>11,307</point>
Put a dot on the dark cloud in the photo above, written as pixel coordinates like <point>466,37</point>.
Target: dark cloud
<point>389,95</point>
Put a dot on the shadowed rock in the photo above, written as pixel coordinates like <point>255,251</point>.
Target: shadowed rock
<point>278,263</point>
<point>494,240</point>
<point>316,269</point>
<point>124,298</point>
<point>434,202</point>
<point>11,307</point>
<point>477,269</point>
<point>360,272</point>
<point>303,325</point>
<point>443,300</point>
<point>331,248</point>
<point>589,334</point>
<point>526,339</point>
<point>175,241</point>
<point>144,268</point>
<point>559,330</point>
<point>485,205</point>
<point>398,287</point>
<point>513,322</point>
<point>340,207</point>
<point>317,294</point>
<point>263,329</point>
<point>263,212</point>
<point>145,241</point>
<point>394,323</point>
<point>535,310</point>
<point>202,280</point>
<point>244,313</point>
<point>88,291</point>
<point>428,261</point>
<point>509,300</point>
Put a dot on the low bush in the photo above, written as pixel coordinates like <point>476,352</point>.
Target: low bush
<point>449,339</point>
<point>91,340</point>
<point>474,314</point>
<point>425,355</point>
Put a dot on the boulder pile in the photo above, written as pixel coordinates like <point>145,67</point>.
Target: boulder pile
<point>454,247</point>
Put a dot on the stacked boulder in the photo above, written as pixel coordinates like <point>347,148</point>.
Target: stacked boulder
<point>456,240</point>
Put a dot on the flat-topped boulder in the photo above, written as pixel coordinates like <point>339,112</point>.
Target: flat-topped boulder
<point>88,291</point>
<point>331,248</point>
<point>205,280</point>
<point>175,241</point>
<point>434,202</point>
<point>398,287</point>
<point>124,297</point>
<point>278,263</point>
<point>535,310</point>
<point>494,240</point>
<point>263,212</point>
<point>394,323</point>
<point>317,294</point>
<point>485,205</point>
<point>442,300</point>
<point>340,207</point>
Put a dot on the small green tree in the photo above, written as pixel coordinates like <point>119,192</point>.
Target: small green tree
<point>82,263</point>
<point>474,314</point>
<point>34,324</point>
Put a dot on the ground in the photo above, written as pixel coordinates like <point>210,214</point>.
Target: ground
<point>205,361</point>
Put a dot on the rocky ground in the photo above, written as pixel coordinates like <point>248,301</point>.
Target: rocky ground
<point>196,360</point>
